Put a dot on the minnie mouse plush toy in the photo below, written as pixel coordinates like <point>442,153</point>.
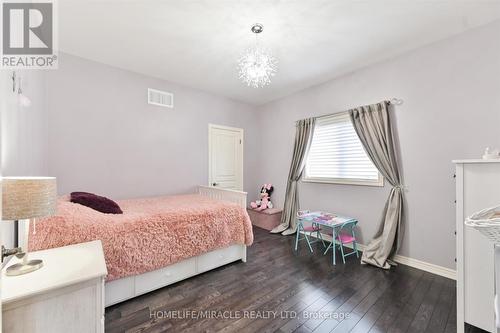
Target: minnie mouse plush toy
<point>265,198</point>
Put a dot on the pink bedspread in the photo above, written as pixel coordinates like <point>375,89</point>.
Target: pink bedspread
<point>151,233</point>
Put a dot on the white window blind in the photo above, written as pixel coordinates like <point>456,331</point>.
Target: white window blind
<point>337,155</point>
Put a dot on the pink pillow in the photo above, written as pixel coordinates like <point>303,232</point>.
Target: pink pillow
<point>96,202</point>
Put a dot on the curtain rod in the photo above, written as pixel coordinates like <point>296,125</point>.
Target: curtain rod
<point>392,101</point>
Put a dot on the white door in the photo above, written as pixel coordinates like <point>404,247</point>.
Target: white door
<point>225,150</point>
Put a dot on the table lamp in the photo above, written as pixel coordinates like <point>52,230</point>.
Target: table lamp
<point>26,198</point>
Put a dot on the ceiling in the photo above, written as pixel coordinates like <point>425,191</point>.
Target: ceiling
<point>197,43</point>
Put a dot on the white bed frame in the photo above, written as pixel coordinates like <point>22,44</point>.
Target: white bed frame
<point>120,290</point>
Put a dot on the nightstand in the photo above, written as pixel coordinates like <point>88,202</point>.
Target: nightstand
<point>65,295</point>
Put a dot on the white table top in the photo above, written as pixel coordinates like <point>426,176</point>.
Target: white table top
<point>62,266</point>
<point>332,221</point>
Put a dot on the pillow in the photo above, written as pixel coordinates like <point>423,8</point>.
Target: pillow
<point>96,202</point>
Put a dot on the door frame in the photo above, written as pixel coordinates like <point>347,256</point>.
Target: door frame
<point>212,127</point>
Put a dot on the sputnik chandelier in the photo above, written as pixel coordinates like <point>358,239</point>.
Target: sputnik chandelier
<point>257,65</point>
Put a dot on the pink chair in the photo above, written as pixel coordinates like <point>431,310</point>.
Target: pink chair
<point>346,235</point>
<point>305,229</point>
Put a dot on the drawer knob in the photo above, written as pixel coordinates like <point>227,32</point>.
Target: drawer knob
<point>168,274</point>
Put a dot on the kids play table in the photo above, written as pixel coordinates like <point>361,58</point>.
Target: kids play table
<point>329,220</point>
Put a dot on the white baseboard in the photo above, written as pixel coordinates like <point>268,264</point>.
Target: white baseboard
<point>425,266</point>
<point>415,263</point>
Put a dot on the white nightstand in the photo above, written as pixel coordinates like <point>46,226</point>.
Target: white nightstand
<point>65,295</point>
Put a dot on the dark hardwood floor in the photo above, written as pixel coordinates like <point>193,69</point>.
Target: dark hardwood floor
<point>280,291</point>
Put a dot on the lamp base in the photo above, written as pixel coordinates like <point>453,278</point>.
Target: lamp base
<point>28,267</point>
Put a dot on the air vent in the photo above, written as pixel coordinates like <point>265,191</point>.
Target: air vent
<point>160,98</point>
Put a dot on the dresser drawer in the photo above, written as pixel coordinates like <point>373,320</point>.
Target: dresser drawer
<point>74,308</point>
<point>165,276</point>
<point>219,257</point>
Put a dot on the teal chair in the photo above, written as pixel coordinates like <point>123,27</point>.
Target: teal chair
<point>344,235</point>
<point>304,230</point>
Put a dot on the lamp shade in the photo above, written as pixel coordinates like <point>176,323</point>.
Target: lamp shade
<point>28,197</point>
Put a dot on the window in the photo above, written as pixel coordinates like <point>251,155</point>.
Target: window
<point>337,155</point>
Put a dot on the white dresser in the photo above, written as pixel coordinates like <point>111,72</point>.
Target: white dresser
<point>65,295</point>
<point>477,187</point>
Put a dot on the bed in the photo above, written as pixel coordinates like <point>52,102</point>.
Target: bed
<point>156,241</point>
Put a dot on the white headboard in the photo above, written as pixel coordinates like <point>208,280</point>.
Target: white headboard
<point>238,197</point>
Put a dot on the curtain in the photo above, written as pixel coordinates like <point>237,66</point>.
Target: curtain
<point>373,126</point>
<point>303,137</point>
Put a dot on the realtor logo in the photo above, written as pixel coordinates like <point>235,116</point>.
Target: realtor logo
<point>28,35</point>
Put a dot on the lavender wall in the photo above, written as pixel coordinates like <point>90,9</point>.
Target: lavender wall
<point>451,110</point>
<point>91,127</point>
<point>23,132</point>
<point>24,129</point>
<point>104,137</point>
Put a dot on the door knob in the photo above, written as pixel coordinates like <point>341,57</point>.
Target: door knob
<point>215,184</point>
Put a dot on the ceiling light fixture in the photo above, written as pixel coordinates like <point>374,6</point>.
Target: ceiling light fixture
<point>257,65</point>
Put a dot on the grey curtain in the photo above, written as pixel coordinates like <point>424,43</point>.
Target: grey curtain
<point>303,137</point>
<point>373,126</point>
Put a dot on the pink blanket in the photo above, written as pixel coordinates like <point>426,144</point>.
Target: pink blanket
<point>152,233</point>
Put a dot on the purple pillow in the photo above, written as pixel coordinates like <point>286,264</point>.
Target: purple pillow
<point>96,202</point>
